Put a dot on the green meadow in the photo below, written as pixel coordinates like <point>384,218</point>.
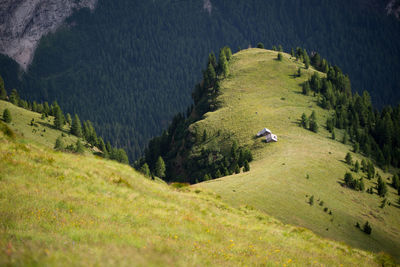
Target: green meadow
<point>63,209</point>
<point>264,92</point>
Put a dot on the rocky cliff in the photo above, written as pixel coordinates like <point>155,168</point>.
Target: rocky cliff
<point>24,22</point>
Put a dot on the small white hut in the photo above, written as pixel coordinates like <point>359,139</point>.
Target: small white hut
<point>269,136</point>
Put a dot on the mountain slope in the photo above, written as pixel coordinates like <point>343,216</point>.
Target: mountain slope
<point>263,92</point>
<point>131,65</point>
<point>66,209</point>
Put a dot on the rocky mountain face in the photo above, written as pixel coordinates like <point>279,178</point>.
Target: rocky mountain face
<point>393,7</point>
<point>24,22</point>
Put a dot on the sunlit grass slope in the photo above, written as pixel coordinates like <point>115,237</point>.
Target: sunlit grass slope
<point>263,92</point>
<point>41,132</point>
<point>74,210</point>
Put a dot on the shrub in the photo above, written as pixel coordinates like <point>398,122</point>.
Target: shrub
<point>311,200</point>
<point>280,57</point>
<point>367,228</point>
<point>7,116</point>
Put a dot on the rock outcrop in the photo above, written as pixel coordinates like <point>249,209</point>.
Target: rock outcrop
<point>24,22</point>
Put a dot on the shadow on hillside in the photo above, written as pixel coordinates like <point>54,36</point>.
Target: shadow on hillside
<point>46,124</point>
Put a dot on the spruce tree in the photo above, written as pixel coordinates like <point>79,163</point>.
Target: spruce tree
<point>79,148</point>
<point>280,57</point>
<point>59,145</point>
<point>246,167</point>
<point>260,45</point>
<point>333,134</point>
<point>237,169</point>
<point>356,167</point>
<point>58,117</point>
<point>345,138</point>
<point>395,181</point>
<point>3,92</point>
<point>218,174</point>
<point>223,65</point>
<point>76,127</point>
<point>7,116</point>
<point>160,167</point>
<point>68,119</point>
<point>304,121</point>
<point>145,170</point>
<point>349,159</point>
<point>381,187</point>
<point>367,228</point>
<point>14,97</point>
<point>280,48</point>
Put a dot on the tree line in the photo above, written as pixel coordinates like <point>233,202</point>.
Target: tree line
<point>84,130</point>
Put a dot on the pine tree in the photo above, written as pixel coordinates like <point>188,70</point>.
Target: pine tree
<point>298,72</point>
<point>223,65</point>
<point>313,125</point>
<point>333,134</point>
<point>364,167</point>
<point>79,148</point>
<point>260,45</point>
<point>68,119</point>
<point>160,167</point>
<point>237,169</point>
<point>246,167</point>
<point>345,138</point>
<point>3,92</point>
<point>76,127</point>
<point>280,48</point>
<point>395,181</point>
<point>304,121</point>
<point>7,116</point>
<point>367,228</point>
<point>59,145</point>
<point>381,187</point>
<point>280,57</point>
<point>145,169</point>
<point>306,60</point>
<point>58,117</point>
<point>14,97</point>
<point>349,159</point>
<point>218,174</point>
<point>311,200</point>
<point>357,167</point>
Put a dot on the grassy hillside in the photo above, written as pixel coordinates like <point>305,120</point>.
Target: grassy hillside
<point>41,131</point>
<point>263,92</point>
<point>66,209</point>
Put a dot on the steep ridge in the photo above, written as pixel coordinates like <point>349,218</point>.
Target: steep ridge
<point>264,92</point>
<point>63,209</point>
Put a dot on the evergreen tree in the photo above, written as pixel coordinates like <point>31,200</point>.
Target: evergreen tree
<point>101,145</point>
<point>206,177</point>
<point>395,181</point>
<point>68,119</point>
<point>260,45</point>
<point>306,88</point>
<point>349,159</point>
<point>345,138</point>
<point>357,167</point>
<point>304,121</point>
<point>14,97</point>
<point>298,72</point>
<point>274,48</point>
<point>237,169</point>
<point>246,167</point>
<point>3,92</point>
<point>364,167</point>
<point>7,116</point>
<point>280,48</point>
<point>204,135</point>
<point>218,174</point>
<point>333,134</point>
<point>311,200</point>
<point>280,57</point>
<point>223,64</point>
<point>356,147</point>
<point>306,60</point>
<point>145,170</point>
<point>58,117</point>
<point>381,187</point>
<point>367,228</point>
<point>313,125</point>
<point>79,148</point>
<point>292,53</point>
<point>59,145</point>
<point>76,127</point>
<point>160,168</point>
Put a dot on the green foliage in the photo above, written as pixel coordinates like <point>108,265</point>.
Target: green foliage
<point>7,116</point>
<point>260,45</point>
<point>367,228</point>
<point>3,92</point>
<point>68,119</point>
<point>311,200</point>
<point>58,117</point>
<point>160,168</point>
<point>304,121</point>
<point>356,184</point>
<point>298,72</point>
<point>14,97</point>
<point>59,145</point>
<point>145,170</point>
<point>7,130</point>
<point>356,167</point>
<point>280,57</point>
<point>381,187</point>
<point>349,159</point>
<point>313,125</point>
<point>246,167</point>
<point>76,127</point>
<point>79,148</point>
<point>396,182</point>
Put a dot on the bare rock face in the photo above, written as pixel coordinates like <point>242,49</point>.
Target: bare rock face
<point>24,22</point>
<point>393,7</point>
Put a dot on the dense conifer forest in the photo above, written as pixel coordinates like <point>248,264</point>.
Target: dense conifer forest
<point>129,66</point>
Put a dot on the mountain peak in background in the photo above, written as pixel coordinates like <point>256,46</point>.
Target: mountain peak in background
<point>24,22</point>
